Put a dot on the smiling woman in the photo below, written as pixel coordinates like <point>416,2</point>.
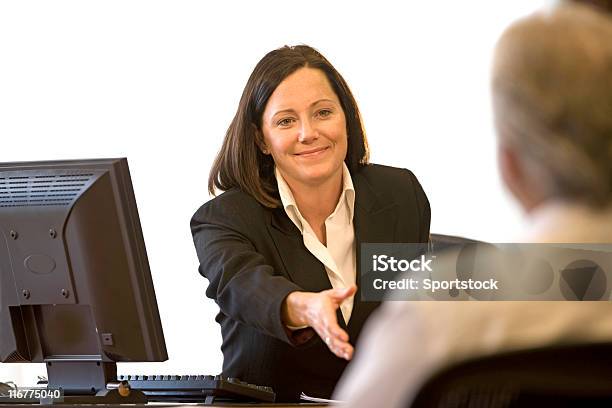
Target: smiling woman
<point>280,245</point>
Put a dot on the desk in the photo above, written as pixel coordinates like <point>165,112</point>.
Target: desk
<point>167,405</point>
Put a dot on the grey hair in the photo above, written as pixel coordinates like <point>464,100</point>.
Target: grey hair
<point>552,100</point>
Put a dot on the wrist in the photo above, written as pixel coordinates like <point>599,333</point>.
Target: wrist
<point>293,310</point>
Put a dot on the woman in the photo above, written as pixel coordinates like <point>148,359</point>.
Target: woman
<point>280,245</point>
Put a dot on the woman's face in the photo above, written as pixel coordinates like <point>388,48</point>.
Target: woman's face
<point>304,129</point>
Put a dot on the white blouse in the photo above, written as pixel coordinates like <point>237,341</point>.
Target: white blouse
<point>339,256</point>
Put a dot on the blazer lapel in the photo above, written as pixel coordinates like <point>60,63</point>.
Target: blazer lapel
<point>303,268</point>
<point>375,220</point>
<point>375,215</point>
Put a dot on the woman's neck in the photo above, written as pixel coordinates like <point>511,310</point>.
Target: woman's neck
<point>317,202</point>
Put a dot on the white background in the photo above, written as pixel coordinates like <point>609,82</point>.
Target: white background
<point>159,82</point>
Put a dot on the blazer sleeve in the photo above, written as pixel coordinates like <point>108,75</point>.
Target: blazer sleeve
<point>241,282</point>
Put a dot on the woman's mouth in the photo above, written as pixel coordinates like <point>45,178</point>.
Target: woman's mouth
<point>312,152</point>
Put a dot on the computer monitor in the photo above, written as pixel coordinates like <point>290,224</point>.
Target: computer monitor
<point>75,287</point>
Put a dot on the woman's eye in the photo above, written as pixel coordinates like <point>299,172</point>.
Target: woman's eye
<point>324,113</point>
<point>285,122</point>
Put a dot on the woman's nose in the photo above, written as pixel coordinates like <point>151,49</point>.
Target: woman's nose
<point>308,132</point>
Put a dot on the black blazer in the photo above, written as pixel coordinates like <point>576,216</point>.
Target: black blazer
<point>254,257</point>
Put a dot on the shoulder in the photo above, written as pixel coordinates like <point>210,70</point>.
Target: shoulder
<point>376,172</point>
<point>387,180</point>
<point>232,206</point>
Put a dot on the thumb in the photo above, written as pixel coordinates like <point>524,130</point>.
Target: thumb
<point>343,293</point>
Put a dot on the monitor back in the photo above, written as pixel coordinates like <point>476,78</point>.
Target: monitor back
<point>75,283</point>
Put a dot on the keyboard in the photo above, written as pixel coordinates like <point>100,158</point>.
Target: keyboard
<point>197,388</point>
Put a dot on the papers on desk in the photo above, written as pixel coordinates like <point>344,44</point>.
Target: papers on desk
<point>315,399</point>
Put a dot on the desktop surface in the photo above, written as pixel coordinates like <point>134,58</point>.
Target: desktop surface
<point>169,405</point>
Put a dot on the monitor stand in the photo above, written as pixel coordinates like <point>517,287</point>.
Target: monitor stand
<point>87,382</point>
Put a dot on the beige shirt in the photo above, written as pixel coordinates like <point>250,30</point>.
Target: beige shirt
<point>339,256</point>
<point>404,343</point>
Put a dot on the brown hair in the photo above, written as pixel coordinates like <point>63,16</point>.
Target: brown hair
<point>240,163</point>
<point>602,5</point>
<point>552,97</point>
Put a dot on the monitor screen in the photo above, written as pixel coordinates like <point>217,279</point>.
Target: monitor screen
<point>75,287</point>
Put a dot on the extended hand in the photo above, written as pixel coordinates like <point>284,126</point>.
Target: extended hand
<point>318,310</point>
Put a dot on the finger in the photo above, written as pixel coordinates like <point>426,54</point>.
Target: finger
<point>326,325</point>
<point>339,333</point>
<point>337,342</point>
<point>331,338</point>
<point>336,339</point>
<point>340,349</point>
<point>347,352</point>
<point>330,328</point>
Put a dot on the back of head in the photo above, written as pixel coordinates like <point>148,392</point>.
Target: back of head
<point>552,98</point>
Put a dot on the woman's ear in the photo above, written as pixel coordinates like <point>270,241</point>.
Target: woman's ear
<point>259,140</point>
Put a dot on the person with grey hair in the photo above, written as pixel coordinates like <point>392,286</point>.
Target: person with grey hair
<point>552,100</point>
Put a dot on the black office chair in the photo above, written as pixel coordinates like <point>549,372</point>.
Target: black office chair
<point>440,242</point>
<point>559,376</point>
